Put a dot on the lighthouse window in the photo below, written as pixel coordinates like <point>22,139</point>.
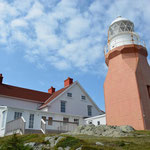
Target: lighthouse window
<point>148,90</point>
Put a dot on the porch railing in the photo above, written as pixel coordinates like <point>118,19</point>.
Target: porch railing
<point>43,126</point>
<point>15,125</point>
<point>57,126</point>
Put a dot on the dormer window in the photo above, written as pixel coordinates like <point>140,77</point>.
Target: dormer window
<point>69,94</point>
<point>83,97</point>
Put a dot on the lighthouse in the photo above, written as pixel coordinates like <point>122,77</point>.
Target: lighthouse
<point>127,83</point>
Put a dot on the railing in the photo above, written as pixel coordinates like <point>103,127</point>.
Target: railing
<point>68,126</point>
<point>14,125</point>
<point>107,47</point>
<point>43,126</point>
<point>57,126</point>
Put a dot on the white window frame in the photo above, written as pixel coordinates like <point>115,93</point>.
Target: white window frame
<point>69,95</point>
<point>17,115</point>
<point>89,111</point>
<point>82,97</point>
<point>31,121</point>
<point>62,106</point>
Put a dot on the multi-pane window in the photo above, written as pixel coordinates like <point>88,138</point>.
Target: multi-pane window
<point>3,120</point>
<point>65,120</point>
<point>17,115</point>
<point>76,121</point>
<point>83,97</point>
<point>31,120</point>
<point>69,94</point>
<point>89,107</point>
<point>63,106</point>
<point>50,120</point>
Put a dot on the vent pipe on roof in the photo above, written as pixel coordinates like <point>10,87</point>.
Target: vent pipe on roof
<point>51,90</point>
<point>1,78</point>
<point>68,82</point>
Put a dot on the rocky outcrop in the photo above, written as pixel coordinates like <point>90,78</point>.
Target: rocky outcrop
<point>103,130</point>
<point>50,142</point>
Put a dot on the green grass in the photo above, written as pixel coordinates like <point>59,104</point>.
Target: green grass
<point>71,142</point>
<point>139,141</point>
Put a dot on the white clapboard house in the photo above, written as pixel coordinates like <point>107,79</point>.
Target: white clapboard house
<point>29,111</point>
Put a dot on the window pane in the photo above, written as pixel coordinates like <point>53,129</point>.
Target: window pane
<point>83,97</point>
<point>50,120</point>
<point>89,110</point>
<point>31,120</point>
<point>69,94</point>
<point>17,115</point>
<point>65,120</point>
<point>63,106</point>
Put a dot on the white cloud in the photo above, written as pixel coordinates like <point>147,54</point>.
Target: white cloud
<point>36,11</point>
<point>19,23</point>
<point>64,35</point>
<point>77,27</point>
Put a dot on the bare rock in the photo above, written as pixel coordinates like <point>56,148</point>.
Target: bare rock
<point>67,148</point>
<point>103,130</point>
<point>99,143</point>
<point>60,148</point>
<point>31,144</point>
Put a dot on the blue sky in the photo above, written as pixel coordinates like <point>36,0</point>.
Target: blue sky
<point>42,42</point>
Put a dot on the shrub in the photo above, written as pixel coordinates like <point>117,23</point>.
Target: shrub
<point>69,141</point>
<point>14,143</point>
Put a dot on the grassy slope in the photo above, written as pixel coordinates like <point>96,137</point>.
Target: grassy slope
<point>140,141</point>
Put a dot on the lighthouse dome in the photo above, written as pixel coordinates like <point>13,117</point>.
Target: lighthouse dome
<point>119,18</point>
<point>120,25</point>
<point>121,32</point>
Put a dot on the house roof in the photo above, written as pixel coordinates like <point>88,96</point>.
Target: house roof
<point>26,94</point>
<point>54,95</point>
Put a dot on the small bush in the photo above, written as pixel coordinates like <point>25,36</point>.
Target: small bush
<point>14,143</point>
<point>121,143</point>
<point>69,141</point>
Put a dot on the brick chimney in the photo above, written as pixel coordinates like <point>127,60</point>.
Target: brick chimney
<point>1,78</point>
<point>68,82</point>
<point>51,90</point>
